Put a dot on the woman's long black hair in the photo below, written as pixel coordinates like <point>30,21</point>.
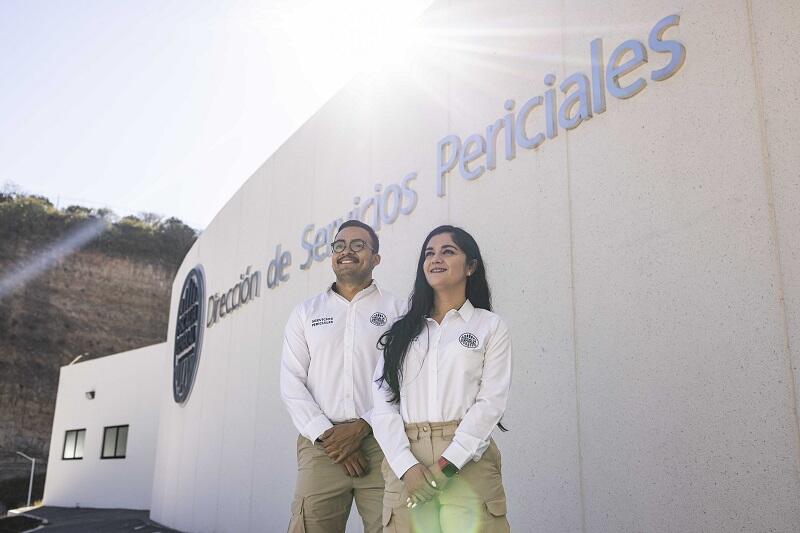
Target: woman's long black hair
<point>396,340</point>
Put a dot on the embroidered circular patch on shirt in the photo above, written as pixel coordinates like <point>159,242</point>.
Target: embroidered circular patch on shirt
<point>378,319</point>
<point>468,340</point>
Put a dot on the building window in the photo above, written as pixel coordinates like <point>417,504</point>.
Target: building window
<point>73,444</point>
<point>115,442</point>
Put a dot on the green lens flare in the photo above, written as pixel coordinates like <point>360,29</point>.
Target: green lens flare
<point>462,511</point>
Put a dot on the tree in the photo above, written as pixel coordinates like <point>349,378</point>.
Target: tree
<point>105,213</point>
<point>150,218</point>
<point>29,217</point>
<point>41,199</point>
<point>78,211</point>
<point>147,236</point>
<point>131,220</point>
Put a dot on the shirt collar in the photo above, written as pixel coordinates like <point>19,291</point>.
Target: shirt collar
<point>366,290</point>
<point>466,311</point>
<point>377,287</point>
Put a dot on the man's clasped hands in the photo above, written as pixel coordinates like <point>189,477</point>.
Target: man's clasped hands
<point>342,443</point>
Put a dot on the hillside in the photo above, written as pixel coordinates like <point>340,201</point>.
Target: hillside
<point>110,295</point>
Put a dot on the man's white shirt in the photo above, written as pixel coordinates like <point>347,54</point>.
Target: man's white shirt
<point>329,356</point>
<point>457,370</point>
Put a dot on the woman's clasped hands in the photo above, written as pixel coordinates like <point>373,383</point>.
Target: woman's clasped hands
<point>423,484</point>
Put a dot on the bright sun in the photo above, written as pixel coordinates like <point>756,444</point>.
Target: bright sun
<point>333,39</point>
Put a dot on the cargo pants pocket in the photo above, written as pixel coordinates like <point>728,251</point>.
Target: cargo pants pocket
<point>297,522</point>
<point>496,521</point>
<point>391,509</point>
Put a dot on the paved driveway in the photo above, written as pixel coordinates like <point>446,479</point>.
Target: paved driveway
<point>71,520</point>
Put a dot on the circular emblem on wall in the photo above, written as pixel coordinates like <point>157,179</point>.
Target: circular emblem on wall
<point>378,319</point>
<point>468,340</point>
<point>188,335</point>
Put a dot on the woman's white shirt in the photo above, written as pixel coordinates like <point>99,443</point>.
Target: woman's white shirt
<point>457,370</point>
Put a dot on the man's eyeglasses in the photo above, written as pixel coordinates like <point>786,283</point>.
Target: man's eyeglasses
<point>356,245</point>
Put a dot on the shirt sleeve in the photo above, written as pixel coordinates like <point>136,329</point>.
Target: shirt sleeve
<point>367,416</point>
<point>473,433</point>
<point>388,427</point>
<point>306,414</point>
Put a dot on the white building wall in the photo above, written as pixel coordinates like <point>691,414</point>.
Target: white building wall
<point>126,392</point>
<point>779,107</point>
<point>646,262</point>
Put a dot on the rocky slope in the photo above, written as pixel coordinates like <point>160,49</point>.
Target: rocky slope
<point>96,301</point>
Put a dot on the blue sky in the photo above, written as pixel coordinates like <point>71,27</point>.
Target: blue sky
<point>168,106</point>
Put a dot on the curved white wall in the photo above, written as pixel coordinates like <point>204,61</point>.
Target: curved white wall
<point>647,262</point>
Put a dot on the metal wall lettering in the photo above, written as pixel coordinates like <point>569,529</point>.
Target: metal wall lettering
<point>583,96</point>
<point>564,106</point>
<point>246,290</point>
<point>384,208</point>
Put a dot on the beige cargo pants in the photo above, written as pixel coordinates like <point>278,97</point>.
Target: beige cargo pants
<point>472,502</point>
<point>324,493</point>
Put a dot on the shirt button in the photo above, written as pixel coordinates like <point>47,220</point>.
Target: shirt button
<point>424,428</point>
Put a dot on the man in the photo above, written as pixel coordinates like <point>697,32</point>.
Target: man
<point>329,356</point>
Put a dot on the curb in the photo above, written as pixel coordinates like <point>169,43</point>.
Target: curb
<point>44,521</point>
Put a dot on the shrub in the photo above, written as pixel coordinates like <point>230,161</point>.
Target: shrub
<point>35,220</point>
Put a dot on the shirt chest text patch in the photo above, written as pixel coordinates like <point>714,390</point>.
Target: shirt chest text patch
<point>321,321</point>
<point>468,340</point>
<point>378,319</point>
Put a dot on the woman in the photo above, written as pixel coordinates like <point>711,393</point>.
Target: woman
<point>439,391</point>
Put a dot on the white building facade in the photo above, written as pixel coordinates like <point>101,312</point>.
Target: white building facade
<point>102,449</point>
<point>631,172</point>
